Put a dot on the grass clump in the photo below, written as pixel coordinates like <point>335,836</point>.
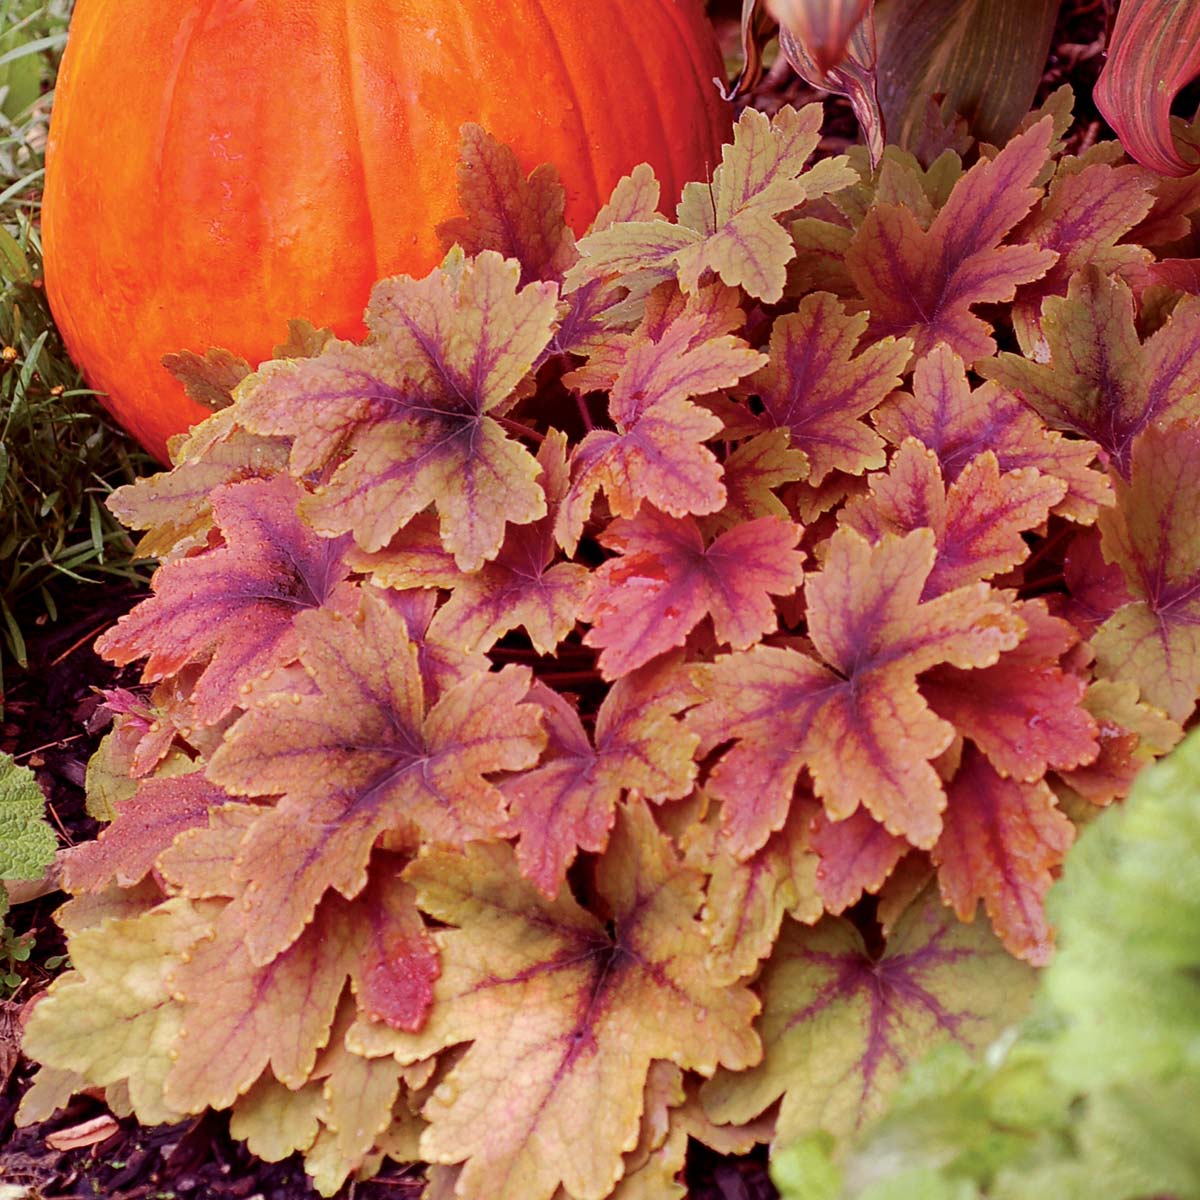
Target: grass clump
<point>59,455</point>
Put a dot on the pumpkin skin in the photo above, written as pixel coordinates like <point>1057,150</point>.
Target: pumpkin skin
<point>217,166</point>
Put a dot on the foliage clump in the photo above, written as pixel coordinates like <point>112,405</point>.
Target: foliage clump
<point>591,712</point>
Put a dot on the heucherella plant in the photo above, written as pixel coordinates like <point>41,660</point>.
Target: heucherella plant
<point>591,712</point>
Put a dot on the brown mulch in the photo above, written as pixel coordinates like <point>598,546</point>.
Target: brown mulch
<point>50,723</point>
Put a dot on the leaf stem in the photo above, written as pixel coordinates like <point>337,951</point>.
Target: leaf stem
<point>568,677</point>
<point>583,412</point>
<point>522,430</point>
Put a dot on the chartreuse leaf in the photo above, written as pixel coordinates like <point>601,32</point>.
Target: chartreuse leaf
<point>1154,536</point>
<point>113,1018</point>
<point>1100,380</point>
<point>840,1025</point>
<point>733,225</point>
<point>854,717</point>
<point>1132,734</point>
<point>577,1011</point>
<point>922,283</point>
<point>408,414</point>
<point>27,842</point>
<point>275,1121</point>
<point>1127,976</point>
<point>357,1101</point>
<point>365,751</point>
<point>233,608</point>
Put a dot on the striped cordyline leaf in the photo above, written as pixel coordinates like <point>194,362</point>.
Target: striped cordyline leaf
<point>823,27</point>
<point>830,45</point>
<point>985,57</point>
<point>1155,52</point>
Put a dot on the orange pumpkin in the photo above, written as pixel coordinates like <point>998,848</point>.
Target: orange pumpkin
<point>217,166</point>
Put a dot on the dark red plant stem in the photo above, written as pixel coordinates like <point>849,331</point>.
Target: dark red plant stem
<point>566,678</point>
<point>583,412</point>
<point>1051,544</point>
<point>522,430</point>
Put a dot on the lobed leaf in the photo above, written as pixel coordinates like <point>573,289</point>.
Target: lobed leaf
<point>665,580</point>
<point>855,855</point>
<point>858,724</point>
<point>922,283</point>
<point>819,384</point>
<point>732,225</point>
<point>958,424</point>
<point>362,753</point>
<point>112,1017</point>
<point>238,1018</point>
<point>656,452</point>
<point>1153,536</point>
<point>745,901</point>
<point>1001,842</point>
<point>144,826</point>
<point>175,507</point>
<point>503,210</point>
<point>233,608</point>
<point>209,378</point>
<point>1082,218</point>
<point>840,1025</point>
<point>545,993</point>
<point>1026,713</point>
<point>978,520</point>
<point>1100,380</point>
<point>568,803</point>
<point>407,413</point>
